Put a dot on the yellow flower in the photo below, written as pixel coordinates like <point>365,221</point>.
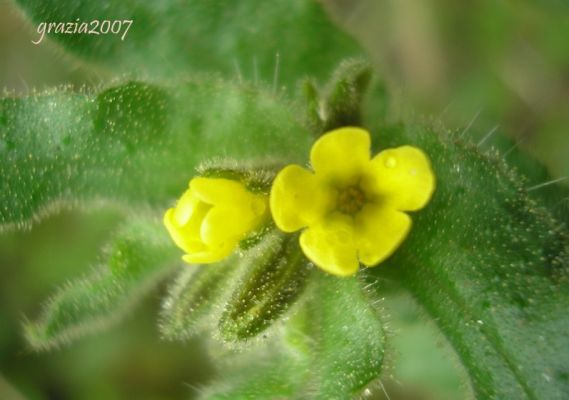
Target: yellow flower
<point>212,216</point>
<point>351,206</point>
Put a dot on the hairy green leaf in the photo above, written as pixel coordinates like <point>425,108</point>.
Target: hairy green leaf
<point>345,337</point>
<point>136,143</point>
<point>332,349</point>
<point>137,258</point>
<point>274,42</point>
<point>276,276</point>
<point>342,101</point>
<point>268,371</point>
<point>491,266</point>
<point>239,297</point>
<point>194,297</point>
<point>541,186</point>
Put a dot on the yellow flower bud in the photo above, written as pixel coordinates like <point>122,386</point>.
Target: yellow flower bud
<point>212,217</point>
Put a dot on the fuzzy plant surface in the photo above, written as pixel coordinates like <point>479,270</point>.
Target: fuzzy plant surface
<point>244,88</point>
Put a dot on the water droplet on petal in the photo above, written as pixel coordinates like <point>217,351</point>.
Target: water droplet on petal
<point>390,162</point>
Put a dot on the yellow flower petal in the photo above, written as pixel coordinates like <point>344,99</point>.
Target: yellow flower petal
<point>218,190</point>
<point>187,237</point>
<point>209,256</point>
<point>339,156</point>
<point>189,214</point>
<point>379,232</point>
<point>402,177</point>
<point>173,228</point>
<point>298,198</point>
<point>331,245</point>
<point>223,225</point>
<point>185,206</point>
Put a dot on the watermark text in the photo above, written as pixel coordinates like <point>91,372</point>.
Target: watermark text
<point>95,27</point>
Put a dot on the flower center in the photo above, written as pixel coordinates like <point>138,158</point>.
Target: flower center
<point>350,200</point>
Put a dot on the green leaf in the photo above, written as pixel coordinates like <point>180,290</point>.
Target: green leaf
<point>311,99</point>
<point>419,359</point>
<point>539,181</point>
<point>491,266</point>
<point>274,42</point>
<point>239,297</point>
<point>342,101</point>
<point>275,277</point>
<point>345,337</point>
<point>339,104</point>
<point>331,349</point>
<point>135,143</point>
<point>137,258</point>
<point>268,371</point>
<point>194,297</point>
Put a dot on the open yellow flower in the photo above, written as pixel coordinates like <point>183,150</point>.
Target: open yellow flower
<point>351,206</point>
<point>212,216</point>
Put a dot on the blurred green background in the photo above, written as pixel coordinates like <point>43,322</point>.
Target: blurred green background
<point>473,65</point>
